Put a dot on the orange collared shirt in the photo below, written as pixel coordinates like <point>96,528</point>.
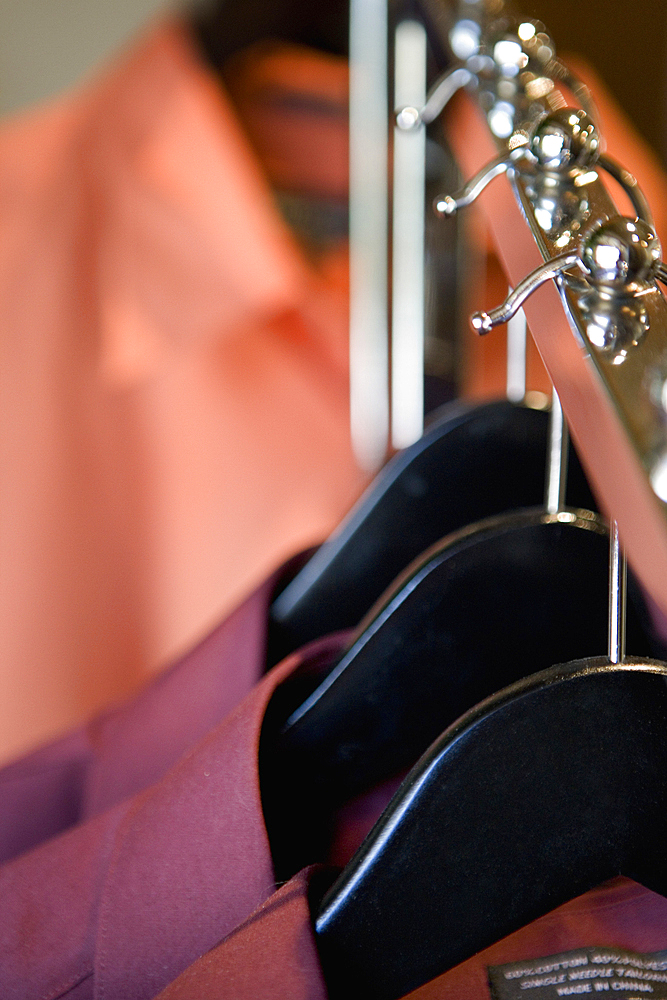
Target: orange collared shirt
<point>173,381</point>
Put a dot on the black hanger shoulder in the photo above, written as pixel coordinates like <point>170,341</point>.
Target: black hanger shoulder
<point>474,461</point>
<point>485,607</point>
<point>534,797</point>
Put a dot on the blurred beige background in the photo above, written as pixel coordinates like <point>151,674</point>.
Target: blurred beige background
<point>45,45</point>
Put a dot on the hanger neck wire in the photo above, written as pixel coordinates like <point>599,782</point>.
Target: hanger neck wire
<point>618,572</point>
<point>555,501</point>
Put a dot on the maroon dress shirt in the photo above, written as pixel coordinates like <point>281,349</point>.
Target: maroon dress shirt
<point>151,873</point>
<point>118,906</point>
<point>272,955</point>
<point>125,750</point>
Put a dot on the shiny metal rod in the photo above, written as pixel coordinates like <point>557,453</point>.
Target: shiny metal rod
<point>369,351</point>
<point>407,335</point>
<point>618,572</point>
<point>449,204</point>
<point>443,91</point>
<point>557,458</point>
<point>484,322</point>
<point>631,187</point>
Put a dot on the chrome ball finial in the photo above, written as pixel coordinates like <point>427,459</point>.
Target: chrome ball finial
<point>621,255</point>
<point>565,140</point>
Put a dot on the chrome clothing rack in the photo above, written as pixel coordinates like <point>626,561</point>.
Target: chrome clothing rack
<point>601,323</point>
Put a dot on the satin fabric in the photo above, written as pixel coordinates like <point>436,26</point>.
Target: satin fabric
<point>172,893</point>
<point>154,869</point>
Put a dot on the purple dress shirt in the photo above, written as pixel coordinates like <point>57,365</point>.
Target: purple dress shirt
<point>116,907</point>
<point>151,873</point>
<point>272,955</point>
<point>128,748</point>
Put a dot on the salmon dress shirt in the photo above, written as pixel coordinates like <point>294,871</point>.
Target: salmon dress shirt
<point>173,372</point>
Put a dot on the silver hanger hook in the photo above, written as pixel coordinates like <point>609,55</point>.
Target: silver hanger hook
<point>484,322</point>
<point>565,145</point>
<point>410,118</point>
<point>618,575</point>
<point>618,258</point>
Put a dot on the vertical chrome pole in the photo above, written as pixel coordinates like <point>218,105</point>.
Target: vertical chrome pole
<point>557,458</point>
<point>618,572</point>
<point>407,336</point>
<point>517,336</point>
<point>369,358</point>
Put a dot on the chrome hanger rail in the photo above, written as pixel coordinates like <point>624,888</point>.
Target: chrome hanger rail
<point>605,265</point>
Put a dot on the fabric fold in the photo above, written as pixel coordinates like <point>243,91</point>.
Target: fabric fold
<point>122,904</point>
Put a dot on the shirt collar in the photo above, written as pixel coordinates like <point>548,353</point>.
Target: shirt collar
<point>191,245</point>
<point>191,858</point>
<point>136,894</point>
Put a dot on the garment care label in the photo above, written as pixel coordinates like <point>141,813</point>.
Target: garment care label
<point>604,971</point>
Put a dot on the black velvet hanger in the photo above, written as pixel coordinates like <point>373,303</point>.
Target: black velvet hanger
<point>532,798</point>
<point>473,461</point>
<point>482,609</point>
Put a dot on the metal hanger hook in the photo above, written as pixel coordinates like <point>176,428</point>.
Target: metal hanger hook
<point>563,144</point>
<point>409,118</point>
<point>483,322</point>
<point>618,257</point>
